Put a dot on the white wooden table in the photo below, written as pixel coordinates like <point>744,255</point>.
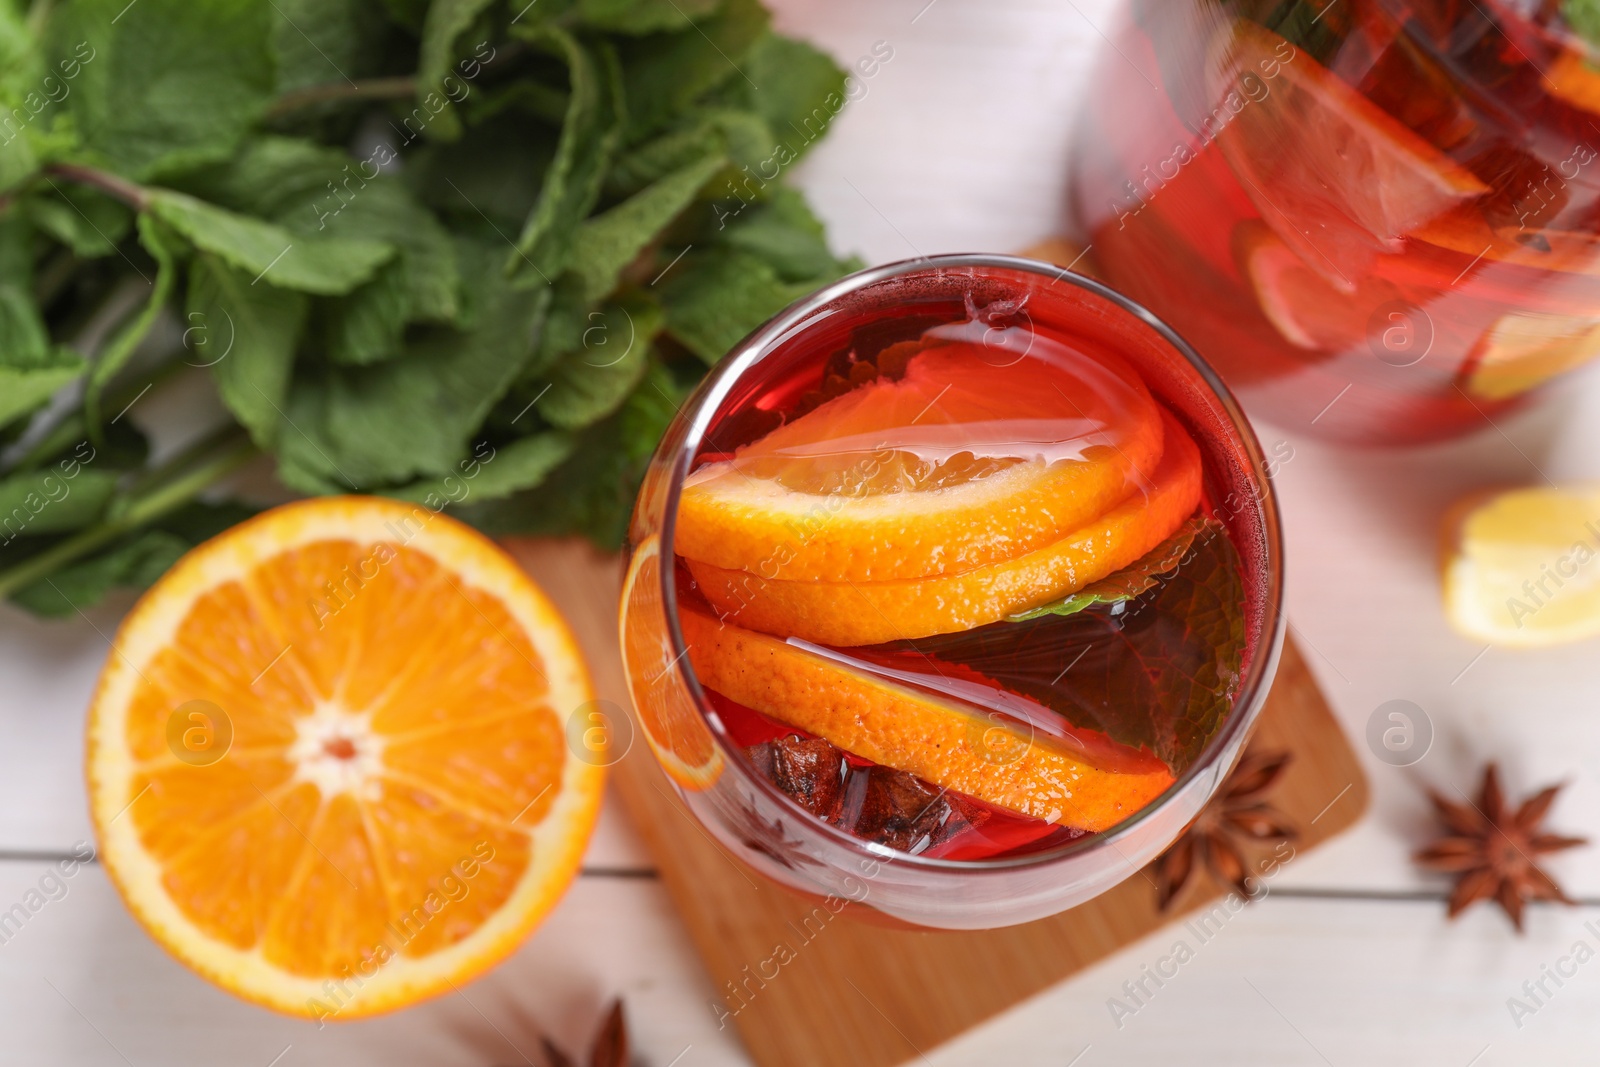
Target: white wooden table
<point>959,145</point>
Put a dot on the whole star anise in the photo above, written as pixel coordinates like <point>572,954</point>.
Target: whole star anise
<point>1490,848</point>
<point>1237,816</point>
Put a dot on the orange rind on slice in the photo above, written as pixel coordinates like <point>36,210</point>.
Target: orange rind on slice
<point>1523,350</point>
<point>975,456</point>
<point>936,738</point>
<point>327,760</point>
<point>672,725</point>
<point>869,612</point>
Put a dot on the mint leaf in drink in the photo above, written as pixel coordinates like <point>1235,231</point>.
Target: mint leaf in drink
<point>1158,672</point>
<point>164,85</point>
<point>594,379</point>
<point>588,137</point>
<point>270,253</point>
<point>247,335</point>
<point>1144,574</point>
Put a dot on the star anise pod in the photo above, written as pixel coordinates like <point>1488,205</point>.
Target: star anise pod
<point>610,1048</point>
<point>1490,848</point>
<point>1235,819</point>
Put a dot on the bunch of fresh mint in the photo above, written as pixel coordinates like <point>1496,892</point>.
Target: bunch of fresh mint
<point>465,252</point>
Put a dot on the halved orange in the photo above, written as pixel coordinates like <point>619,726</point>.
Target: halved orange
<point>867,613</point>
<point>912,729</point>
<point>328,763</point>
<point>671,723</point>
<point>1336,176</point>
<point>976,455</point>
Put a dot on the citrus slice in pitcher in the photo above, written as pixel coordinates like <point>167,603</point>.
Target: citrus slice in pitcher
<point>1337,177</point>
<point>327,759</point>
<point>975,455</point>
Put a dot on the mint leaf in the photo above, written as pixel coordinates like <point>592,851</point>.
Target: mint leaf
<point>1141,576</point>
<point>608,242</point>
<point>493,473</point>
<point>593,381</point>
<point>801,93</point>
<point>742,136</point>
<point>134,562</point>
<point>783,232</point>
<point>122,346</point>
<point>446,22</point>
<point>643,16</point>
<point>85,220</point>
<point>592,493</point>
<point>721,296</point>
<point>47,501</point>
<point>365,427</point>
<point>316,42</point>
<point>137,561</point>
<point>31,368</point>
<point>172,83</point>
<point>1159,672</point>
<point>269,253</point>
<point>246,334</point>
<point>588,137</point>
<point>665,73</point>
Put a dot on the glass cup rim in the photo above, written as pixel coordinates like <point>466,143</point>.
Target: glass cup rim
<point>766,338</point>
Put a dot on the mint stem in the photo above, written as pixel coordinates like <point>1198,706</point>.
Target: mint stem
<point>139,508</point>
<point>371,89</point>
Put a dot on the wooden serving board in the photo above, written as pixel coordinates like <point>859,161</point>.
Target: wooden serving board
<point>870,995</point>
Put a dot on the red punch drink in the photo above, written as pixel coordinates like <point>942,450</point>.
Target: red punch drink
<point>964,569</point>
<point>1376,218</point>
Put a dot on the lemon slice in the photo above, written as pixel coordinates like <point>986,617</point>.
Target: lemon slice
<point>1522,568</point>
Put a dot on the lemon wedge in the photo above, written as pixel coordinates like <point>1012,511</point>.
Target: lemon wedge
<point>1522,568</point>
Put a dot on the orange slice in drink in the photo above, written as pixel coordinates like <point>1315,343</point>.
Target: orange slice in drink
<point>903,726</point>
<point>328,763</point>
<point>1337,177</point>
<point>671,723</point>
<point>976,455</point>
<point>867,613</point>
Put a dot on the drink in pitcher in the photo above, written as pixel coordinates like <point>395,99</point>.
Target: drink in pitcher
<point>1376,218</point>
